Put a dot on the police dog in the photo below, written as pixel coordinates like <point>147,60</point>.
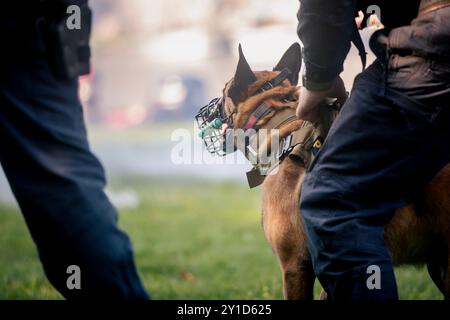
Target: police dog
<point>418,233</point>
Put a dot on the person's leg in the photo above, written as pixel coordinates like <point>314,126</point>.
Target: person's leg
<point>59,183</point>
<point>381,151</point>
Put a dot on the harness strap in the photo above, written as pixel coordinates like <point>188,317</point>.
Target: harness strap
<point>275,81</point>
<point>259,113</point>
<point>282,117</point>
<point>264,109</point>
<point>359,44</point>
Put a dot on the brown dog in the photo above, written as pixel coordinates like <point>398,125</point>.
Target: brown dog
<point>418,234</point>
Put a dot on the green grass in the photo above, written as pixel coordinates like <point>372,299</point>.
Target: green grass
<point>192,239</point>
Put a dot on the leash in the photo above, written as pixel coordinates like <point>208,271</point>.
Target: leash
<point>359,44</point>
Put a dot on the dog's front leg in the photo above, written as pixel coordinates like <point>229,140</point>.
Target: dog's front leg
<point>298,279</point>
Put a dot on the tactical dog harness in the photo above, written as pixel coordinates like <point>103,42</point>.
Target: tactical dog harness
<point>302,145</point>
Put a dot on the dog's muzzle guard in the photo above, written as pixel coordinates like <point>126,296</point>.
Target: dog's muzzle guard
<point>213,123</point>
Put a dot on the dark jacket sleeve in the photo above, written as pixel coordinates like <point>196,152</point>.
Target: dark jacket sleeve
<point>325,28</point>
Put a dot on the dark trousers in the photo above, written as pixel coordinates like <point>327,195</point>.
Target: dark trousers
<point>59,183</point>
<point>382,150</point>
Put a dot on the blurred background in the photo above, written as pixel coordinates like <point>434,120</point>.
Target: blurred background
<point>195,227</point>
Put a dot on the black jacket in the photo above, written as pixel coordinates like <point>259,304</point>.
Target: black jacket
<point>326,28</point>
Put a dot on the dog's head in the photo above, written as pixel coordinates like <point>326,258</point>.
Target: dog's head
<point>244,94</point>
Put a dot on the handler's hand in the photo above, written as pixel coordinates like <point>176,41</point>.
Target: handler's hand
<point>309,100</point>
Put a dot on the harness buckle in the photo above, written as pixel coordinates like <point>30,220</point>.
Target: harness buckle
<point>286,147</point>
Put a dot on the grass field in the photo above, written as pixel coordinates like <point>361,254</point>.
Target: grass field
<point>193,240</point>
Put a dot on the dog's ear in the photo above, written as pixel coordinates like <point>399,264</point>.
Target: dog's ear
<point>291,59</point>
<point>243,78</point>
